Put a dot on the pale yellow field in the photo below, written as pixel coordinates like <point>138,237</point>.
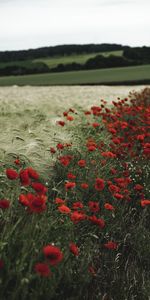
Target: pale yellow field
<point>28,116</point>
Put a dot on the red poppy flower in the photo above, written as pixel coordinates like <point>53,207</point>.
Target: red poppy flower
<point>108,154</point>
<point>118,196</point>
<point>84,186</point>
<point>95,125</point>
<point>87,112</point>
<point>113,188</point>
<point>64,209</point>
<point>111,245</point>
<point>23,199</point>
<point>108,206</point>
<point>74,249</point>
<point>71,176</point>
<point>60,146</point>
<point>70,185</point>
<point>82,163</point>
<point>39,187</point>
<point>24,177</point>
<point>53,254</point>
<point>42,269</point>
<point>97,221</point>
<point>77,217</point>
<point>70,118</point>
<point>65,160</point>
<point>145,202</point>
<point>99,186</point>
<point>91,148</point>
<point>61,123</point>
<point>37,204</point>
<point>52,150</point>
<point>17,162</point>
<point>59,201</point>
<point>32,173</point>
<point>138,187</point>
<point>11,174</point>
<point>94,206</point>
<point>77,205</point>
<point>4,204</point>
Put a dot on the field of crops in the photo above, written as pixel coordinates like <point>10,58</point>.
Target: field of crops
<point>102,76</point>
<point>74,193</point>
<point>81,59</point>
<point>54,61</point>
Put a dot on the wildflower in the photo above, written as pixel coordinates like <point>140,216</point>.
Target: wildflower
<point>64,209</point>
<point>71,176</point>
<point>53,254</point>
<point>87,112</point>
<point>108,206</point>
<point>24,177</point>
<point>61,123</point>
<point>17,162</point>
<point>77,205</point>
<point>82,163</point>
<point>70,118</point>
<point>140,137</point>
<point>112,130</point>
<point>4,204</point>
<point>93,206</point>
<point>32,173</point>
<point>59,201</point>
<point>39,187</point>
<point>84,186</point>
<point>11,174</point>
<point>77,217</point>
<point>23,199</point>
<point>113,188</point>
<point>91,148</point>
<point>74,249</point>
<point>113,171</point>
<point>52,150</point>
<point>37,204</point>
<point>60,146</point>
<point>108,154</point>
<point>118,196</point>
<point>145,202</point>
<point>138,187</point>
<point>42,269</point>
<point>99,185</point>
<point>65,160</point>
<point>95,124</point>
<point>97,221</point>
<point>70,185</point>
<point>111,245</point>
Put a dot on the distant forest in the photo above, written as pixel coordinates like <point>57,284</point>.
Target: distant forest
<point>20,62</point>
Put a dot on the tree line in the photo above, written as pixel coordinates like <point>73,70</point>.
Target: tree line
<point>131,57</point>
<point>61,50</point>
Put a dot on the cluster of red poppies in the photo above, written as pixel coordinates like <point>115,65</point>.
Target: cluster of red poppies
<point>92,184</point>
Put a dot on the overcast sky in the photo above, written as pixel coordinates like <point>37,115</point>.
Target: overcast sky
<point>37,23</point>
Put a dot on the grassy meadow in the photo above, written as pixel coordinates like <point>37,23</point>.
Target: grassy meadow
<point>74,193</point>
<point>54,61</point>
<point>82,58</point>
<point>101,76</point>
